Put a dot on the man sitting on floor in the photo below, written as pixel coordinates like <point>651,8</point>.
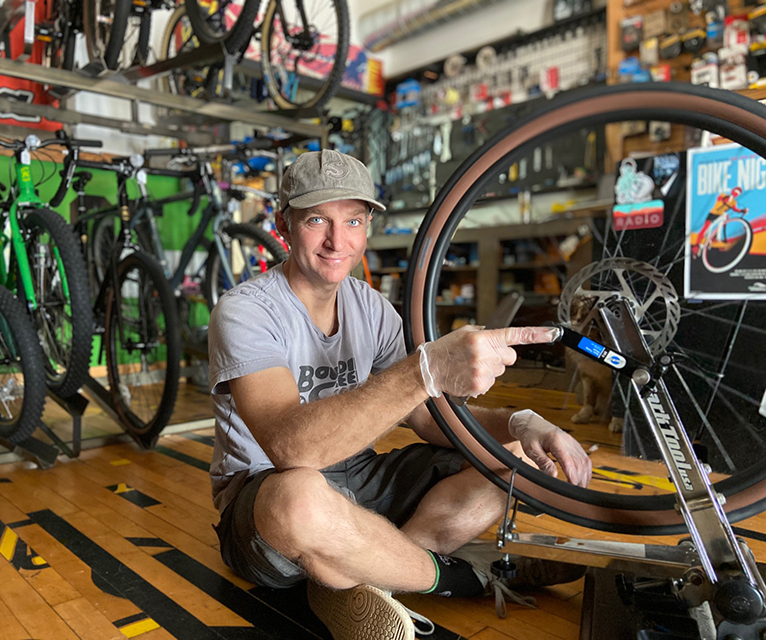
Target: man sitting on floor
<point>300,490</point>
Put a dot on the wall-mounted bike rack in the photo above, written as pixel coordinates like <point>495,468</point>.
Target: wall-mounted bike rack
<point>210,112</point>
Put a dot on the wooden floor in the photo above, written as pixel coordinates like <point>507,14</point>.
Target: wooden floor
<point>119,543</point>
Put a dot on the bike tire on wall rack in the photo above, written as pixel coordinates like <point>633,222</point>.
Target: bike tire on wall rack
<point>80,314</point>
<point>116,38</point>
<point>331,84</point>
<point>733,116</point>
<point>18,335</point>
<point>236,37</point>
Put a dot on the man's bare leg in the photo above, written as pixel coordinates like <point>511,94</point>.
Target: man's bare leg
<point>458,509</point>
<point>338,543</point>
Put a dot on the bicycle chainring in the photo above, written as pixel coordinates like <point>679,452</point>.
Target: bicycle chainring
<point>612,279</point>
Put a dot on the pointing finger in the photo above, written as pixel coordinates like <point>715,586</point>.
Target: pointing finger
<point>528,335</point>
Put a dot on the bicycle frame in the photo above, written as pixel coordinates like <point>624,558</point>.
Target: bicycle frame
<point>24,197</point>
<point>215,212</point>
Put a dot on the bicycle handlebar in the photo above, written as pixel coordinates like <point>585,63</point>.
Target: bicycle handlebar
<point>259,144</point>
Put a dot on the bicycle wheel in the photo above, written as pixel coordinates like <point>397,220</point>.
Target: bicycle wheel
<point>726,245</point>
<point>249,249</point>
<point>105,25</point>
<point>143,347</point>
<point>716,378</point>
<point>64,316</point>
<point>304,50</point>
<point>227,21</point>
<point>180,37</point>
<point>22,376</point>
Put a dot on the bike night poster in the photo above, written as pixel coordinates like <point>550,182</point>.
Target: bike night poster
<point>725,224</point>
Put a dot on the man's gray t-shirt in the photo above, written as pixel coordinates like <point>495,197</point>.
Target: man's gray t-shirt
<point>262,324</point>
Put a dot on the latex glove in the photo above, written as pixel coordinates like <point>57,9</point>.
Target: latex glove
<point>467,361</point>
<point>538,437</point>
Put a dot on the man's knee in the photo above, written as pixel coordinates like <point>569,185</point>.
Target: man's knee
<point>294,507</point>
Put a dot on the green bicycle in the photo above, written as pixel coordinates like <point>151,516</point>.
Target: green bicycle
<point>44,267</point>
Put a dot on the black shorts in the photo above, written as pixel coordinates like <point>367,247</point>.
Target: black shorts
<point>390,484</point>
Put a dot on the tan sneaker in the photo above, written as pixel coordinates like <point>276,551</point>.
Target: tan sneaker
<point>361,613</point>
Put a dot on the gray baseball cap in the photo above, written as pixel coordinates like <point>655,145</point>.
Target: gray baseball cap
<point>324,176</point>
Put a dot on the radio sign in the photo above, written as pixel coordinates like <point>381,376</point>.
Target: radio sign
<point>642,215</point>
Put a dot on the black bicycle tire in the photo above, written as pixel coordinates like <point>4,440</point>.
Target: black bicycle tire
<point>734,116</point>
<point>144,33</point>
<point>330,87</point>
<point>116,34</point>
<point>98,251</point>
<point>170,86</point>
<point>145,432</point>
<point>251,231</point>
<point>30,354</point>
<point>67,61</point>
<point>236,37</point>
<point>76,272</point>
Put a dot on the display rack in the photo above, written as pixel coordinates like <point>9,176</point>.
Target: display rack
<point>117,87</point>
<point>44,454</point>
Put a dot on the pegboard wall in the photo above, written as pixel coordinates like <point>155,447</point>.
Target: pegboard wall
<point>715,42</point>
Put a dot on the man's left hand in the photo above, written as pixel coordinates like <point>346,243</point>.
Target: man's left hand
<point>538,438</point>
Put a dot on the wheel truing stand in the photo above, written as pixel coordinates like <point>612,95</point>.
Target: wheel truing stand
<point>715,577</point>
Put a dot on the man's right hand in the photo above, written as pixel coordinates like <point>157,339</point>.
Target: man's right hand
<point>467,361</point>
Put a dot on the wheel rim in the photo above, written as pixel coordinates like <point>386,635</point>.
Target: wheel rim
<point>11,376</point>
<point>298,59</point>
<point>191,81</point>
<point>693,106</point>
<point>137,350</point>
<point>104,19</point>
<point>53,316</point>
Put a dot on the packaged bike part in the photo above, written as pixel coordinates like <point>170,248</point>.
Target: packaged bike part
<point>714,30</point>
<point>693,40</point>
<point>756,61</point>
<point>632,33</point>
<point>704,70</point>
<point>650,52</point>
<point>757,19</point>
<point>733,67</point>
<point>627,68</point>
<point>661,73</point>
<point>678,18</point>
<point>655,24</point>
<point>659,131</point>
<point>670,46</point>
<point>736,31</point>
<point>698,7</point>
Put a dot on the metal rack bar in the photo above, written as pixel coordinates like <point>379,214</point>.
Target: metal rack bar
<point>67,116</point>
<point>116,89</point>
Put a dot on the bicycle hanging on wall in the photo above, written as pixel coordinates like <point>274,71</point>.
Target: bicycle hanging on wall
<point>301,46</point>
<point>690,403</point>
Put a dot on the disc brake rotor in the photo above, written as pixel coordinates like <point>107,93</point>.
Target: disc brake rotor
<point>648,292</point>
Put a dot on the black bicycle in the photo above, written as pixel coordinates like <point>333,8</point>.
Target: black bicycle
<point>302,46</point>
<point>136,315</point>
